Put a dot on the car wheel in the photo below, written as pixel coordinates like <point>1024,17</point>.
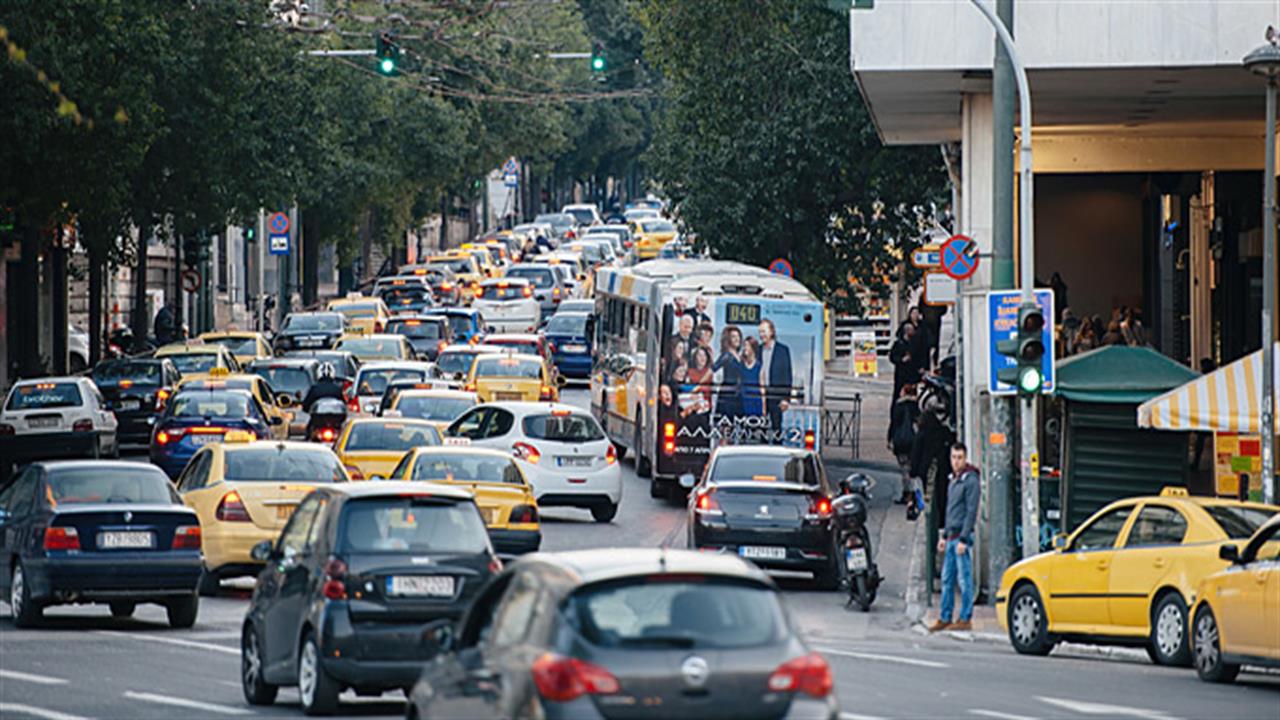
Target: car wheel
<point>182,612</point>
<point>318,691</point>
<point>604,512</point>
<point>1028,624</point>
<point>1169,644</point>
<point>26,612</point>
<point>208,584</point>
<point>257,691</point>
<point>1207,644</point>
<point>122,609</point>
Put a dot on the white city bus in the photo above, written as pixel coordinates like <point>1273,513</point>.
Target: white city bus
<point>695,353</point>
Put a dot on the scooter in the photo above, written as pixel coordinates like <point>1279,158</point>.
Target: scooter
<point>326,418</point>
<point>850,511</point>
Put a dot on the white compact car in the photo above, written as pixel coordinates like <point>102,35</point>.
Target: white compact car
<point>372,380</point>
<point>561,450</point>
<point>56,417</point>
<point>508,305</point>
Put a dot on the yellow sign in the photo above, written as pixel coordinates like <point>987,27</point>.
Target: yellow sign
<point>865,360</point>
<point>1035,464</point>
<point>1237,457</point>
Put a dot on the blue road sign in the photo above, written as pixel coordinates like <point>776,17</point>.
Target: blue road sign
<point>782,267</point>
<point>510,166</point>
<point>1002,322</point>
<point>511,180</point>
<point>278,243</point>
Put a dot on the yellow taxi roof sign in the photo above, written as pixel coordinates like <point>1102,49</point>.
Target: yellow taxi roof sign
<point>1174,491</point>
<point>239,436</point>
<point>219,372</point>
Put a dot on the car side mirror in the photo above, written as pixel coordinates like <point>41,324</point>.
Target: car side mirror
<point>438,637</point>
<point>263,551</point>
<point>284,400</point>
<point>275,420</point>
<point>1059,541</point>
<point>1229,552</point>
<point>561,381</point>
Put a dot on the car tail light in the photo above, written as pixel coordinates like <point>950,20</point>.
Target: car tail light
<point>353,404</point>
<point>707,505</point>
<point>547,393</point>
<point>354,472</point>
<point>810,440</point>
<point>84,425</point>
<point>335,573</point>
<point>610,455</point>
<point>440,346</point>
<point>528,291</point>
<point>61,538</point>
<point>475,288</point>
<point>495,565</point>
<point>231,508</point>
<point>346,387</point>
<point>526,452</point>
<point>187,537</point>
<point>669,438</point>
<point>808,674</point>
<point>326,434</point>
<point>378,326</point>
<point>561,679</point>
<point>469,387</point>
<point>7,429</point>
<point>819,509</point>
<point>164,437</point>
<point>446,287</point>
<point>523,514</point>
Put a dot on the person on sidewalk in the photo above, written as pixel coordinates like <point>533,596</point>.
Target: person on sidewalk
<point>905,368</point>
<point>963,493</point>
<point>902,435</point>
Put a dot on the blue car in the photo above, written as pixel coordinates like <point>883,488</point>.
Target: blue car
<point>467,325</point>
<point>197,417</point>
<point>97,531</point>
<point>570,337</point>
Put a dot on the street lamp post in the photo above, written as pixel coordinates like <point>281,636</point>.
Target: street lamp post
<point>1265,61</point>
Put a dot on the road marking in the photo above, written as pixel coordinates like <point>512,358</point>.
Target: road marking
<point>38,679</point>
<point>184,703</point>
<point>7,707</point>
<point>1090,708</point>
<point>886,658</point>
<point>999,715</point>
<point>855,716</point>
<point>173,641</point>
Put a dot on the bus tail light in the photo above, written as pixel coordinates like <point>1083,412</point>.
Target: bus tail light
<point>669,438</point>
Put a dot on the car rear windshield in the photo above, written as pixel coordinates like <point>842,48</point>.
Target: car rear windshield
<point>372,347</point>
<point>509,367</point>
<point>284,379</point>
<point>417,329</point>
<point>556,220</point>
<point>503,291</point>
<point>1237,521</point>
<point>416,525</point>
<point>766,468</point>
<point>458,265</point>
<point>467,468</point>
<point>459,324</point>
<point>439,409</point>
<point>540,277</point>
<point>313,322</point>
<point>656,226</point>
<point>210,404</point>
<point>194,363</point>
<point>571,427</point>
<point>694,614</point>
<point>583,215</point>
<point>455,362</point>
<point>139,373</point>
<point>374,382</point>
<point>236,345</point>
<point>575,325</point>
<point>283,463</point>
<point>390,436</point>
<point>105,484</point>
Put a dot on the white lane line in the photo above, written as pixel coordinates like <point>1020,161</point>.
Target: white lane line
<point>172,641</point>
<point>855,716</point>
<point>999,715</point>
<point>1092,708</point>
<point>885,658</point>
<point>18,708</point>
<point>185,703</point>
<point>37,679</point>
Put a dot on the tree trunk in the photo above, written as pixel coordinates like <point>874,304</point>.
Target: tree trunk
<point>141,318</point>
<point>59,360</point>
<point>27,339</point>
<point>310,257</point>
<point>95,307</point>
<point>179,314</point>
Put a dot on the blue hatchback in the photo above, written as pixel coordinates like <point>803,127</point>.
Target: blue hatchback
<point>195,418</point>
<point>570,337</point>
<point>467,325</point>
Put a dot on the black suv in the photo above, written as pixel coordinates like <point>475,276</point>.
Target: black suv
<point>310,331</point>
<point>136,389</point>
<point>356,575</point>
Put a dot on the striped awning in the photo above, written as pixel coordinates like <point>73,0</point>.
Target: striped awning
<point>1228,399</point>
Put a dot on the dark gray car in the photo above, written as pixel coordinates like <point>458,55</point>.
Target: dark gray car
<point>628,633</point>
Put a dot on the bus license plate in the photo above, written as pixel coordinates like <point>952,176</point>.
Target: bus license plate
<point>420,585</point>
<point>762,553</point>
<point>856,559</point>
<point>125,540</point>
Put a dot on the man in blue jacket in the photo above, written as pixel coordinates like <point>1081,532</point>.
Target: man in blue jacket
<point>956,541</point>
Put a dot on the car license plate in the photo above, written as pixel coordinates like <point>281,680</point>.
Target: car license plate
<point>283,512</point>
<point>125,540</point>
<point>762,553</point>
<point>42,422</point>
<point>514,396</point>
<point>856,559</point>
<point>420,585</point>
<point>202,439</point>
<point>573,461</point>
<point>572,348</point>
<point>311,342</point>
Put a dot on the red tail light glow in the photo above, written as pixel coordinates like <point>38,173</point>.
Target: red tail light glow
<point>610,455</point>
<point>354,472</point>
<point>669,438</point>
<point>61,538</point>
<point>85,425</point>
<point>164,437</point>
<point>335,571</point>
<point>810,440</point>
<point>561,679</point>
<point>187,537</point>
<point>526,452</point>
<point>523,514</point>
<point>708,505</point>
<point>326,434</point>
<point>495,565</point>
<point>808,674</point>
<point>528,291</point>
<point>231,508</point>
<point>547,393</point>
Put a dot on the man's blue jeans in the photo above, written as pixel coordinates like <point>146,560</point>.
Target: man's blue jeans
<point>957,568</point>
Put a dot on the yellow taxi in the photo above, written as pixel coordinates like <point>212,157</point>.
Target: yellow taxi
<point>502,493</point>
<point>376,347</point>
<point>1236,618</point>
<point>364,314</point>
<point>512,376</point>
<point>438,407</point>
<point>465,267</point>
<point>1126,576</point>
<point>650,235</point>
<point>370,448</point>
<point>196,359</point>
<point>483,257</point>
<point>245,345</point>
<point>273,405</point>
<point>244,491</point>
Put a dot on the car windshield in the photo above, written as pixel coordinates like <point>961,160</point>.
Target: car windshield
<point>576,306</point>
<point>1238,521</point>
<point>194,362</point>
<point>686,614</point>
<point>593,253</point>
<point>458,265</point>
<point>583,215</point>
<point>390,435</point>
<point>210,404</point>
<point>375,381</point>
<point>313,322</point>
<point>236,345</point>
<point>439,409</point>
<point>138,373</point>
<point>556,220</point>
<point>508,368</point>
<point>417,329</point>
<point>282,378</point>
<point>524,346</point>
<point>767,468</point>
<point>405,296</point>
<point>467,468</point>
<point>539,277</point>
<point>413,525</point>
<point>358,310</point>
<point>657,226</point>
<point>283,463</point>
<point>371,347</point>
<point>455,362</point>
<point>101,483</point>
<point>575,325</point>
<point>563,427</point>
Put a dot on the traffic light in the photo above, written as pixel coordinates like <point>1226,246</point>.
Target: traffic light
<point>1026,348</point>
<point>597,57</point>
<point>387,52</point>
<point>194,250</point>
<point>250,233</point>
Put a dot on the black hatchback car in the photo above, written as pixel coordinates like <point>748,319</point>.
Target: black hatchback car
<point>632,633</point>
<point>135,389</point>
<point>354,578</point>
<point>770,505</point>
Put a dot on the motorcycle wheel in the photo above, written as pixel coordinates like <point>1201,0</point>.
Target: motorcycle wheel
<point>861,593</point>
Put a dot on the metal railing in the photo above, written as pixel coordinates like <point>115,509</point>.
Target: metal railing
<point>842,422</point>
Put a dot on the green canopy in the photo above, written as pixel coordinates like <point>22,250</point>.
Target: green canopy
<point>1119,374</point>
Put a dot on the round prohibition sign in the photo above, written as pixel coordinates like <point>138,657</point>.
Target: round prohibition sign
<point>278,223</point>
<point>190,281</point>
<point>959,257</point>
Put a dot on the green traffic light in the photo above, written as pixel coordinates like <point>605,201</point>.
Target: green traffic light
<point>387,66</point>
<point>1030,380</point>
<point>597,64</point>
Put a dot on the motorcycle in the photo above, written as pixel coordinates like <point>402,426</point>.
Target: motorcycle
<point>853,538</point>
<point>326,418</point>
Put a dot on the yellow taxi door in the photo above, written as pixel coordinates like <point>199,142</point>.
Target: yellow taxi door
<point>1271,610</point>
<point>1248,603</point>
<point>1146,560</point>
<point>1080,576</point>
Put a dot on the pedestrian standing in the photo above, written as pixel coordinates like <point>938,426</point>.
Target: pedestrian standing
<point>165,324</point>
<point>902,435</point>
<point>905,369</point>
<point>963,492</point>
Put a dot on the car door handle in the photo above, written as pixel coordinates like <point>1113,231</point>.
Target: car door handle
<point>1103,564</point>
<point>1160,563</point>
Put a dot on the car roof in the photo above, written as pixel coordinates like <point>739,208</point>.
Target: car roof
<point>510,355</point>
<point>769,450</point>
<point>276,444</point>
<point>58,379</point>
<point>230,334</point>
<point>190,349</point>
<point>526,407</point>
<point>196,387</point>
<point>420,317</point>
<point>467,347</point>
<point>371,336</point>
<point>385,419</point>
<point>395,488</point>
<point>395,365</point>
<point>438,392</point>
<point>464,450</point>
<point>512,336</point>
<point>311,313</point>
<point>454,311</point>
<point>513,280</point>
<point>92,464</point>
<point>605,564</point>
<point>285,361</point>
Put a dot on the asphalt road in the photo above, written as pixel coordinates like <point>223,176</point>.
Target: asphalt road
<point>86,664</point>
